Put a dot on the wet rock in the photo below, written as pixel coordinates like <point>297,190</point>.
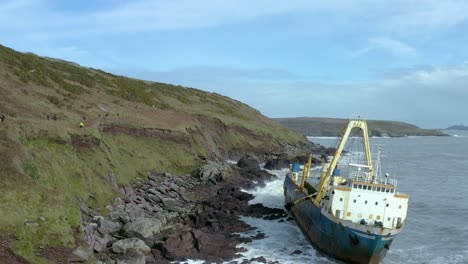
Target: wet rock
<point>259,236</point>
<point>258,259</point>
<point>144,228</point>
<point>131,257</point>
<point>296,252</point>
<point>249,162</point>
<point>124,245</point>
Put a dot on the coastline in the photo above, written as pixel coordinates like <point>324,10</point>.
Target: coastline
<point>194,216</point>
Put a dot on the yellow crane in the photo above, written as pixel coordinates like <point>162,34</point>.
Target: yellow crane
<point>326,175</point>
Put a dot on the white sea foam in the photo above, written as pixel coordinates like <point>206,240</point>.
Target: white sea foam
<point>282,239</point>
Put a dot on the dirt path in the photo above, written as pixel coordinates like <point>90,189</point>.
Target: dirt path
<point>7,256</point>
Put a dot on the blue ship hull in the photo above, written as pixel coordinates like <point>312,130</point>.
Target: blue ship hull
<point>333,237</point>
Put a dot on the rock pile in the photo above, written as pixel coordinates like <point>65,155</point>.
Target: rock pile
<point>172,218</point>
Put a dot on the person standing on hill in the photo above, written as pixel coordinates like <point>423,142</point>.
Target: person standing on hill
<point>2,118</point>
<point>81,124</point>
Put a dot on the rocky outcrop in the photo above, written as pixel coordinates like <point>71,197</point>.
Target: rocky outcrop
<point>213,172</point>
<point>175,217</point>
<point>124,245</point>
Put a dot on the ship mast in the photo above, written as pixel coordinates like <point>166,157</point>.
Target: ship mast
<point>326,175</point>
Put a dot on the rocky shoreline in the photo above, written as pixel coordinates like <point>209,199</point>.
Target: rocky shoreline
<point>178,217</point>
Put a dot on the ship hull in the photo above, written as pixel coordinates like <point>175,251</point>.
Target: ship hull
<point>335,238</point>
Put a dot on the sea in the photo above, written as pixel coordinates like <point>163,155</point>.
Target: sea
<point>432,170</point>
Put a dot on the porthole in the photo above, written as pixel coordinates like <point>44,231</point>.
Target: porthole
<point>388,205</point>
<point>376,203</point>
<point>341,199</point>
<point>365,202</point>
<point>399,207</point>
<point>354,201</point>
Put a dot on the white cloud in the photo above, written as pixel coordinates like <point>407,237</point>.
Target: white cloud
<point>394,47</point>
<point>398,17</point>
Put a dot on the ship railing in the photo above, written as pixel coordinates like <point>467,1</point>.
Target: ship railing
<point>366,177</point>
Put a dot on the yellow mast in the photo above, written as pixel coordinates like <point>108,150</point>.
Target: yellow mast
<point>306,172</point>
<point>326,175</point>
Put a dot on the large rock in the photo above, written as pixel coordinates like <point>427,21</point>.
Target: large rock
<point>249,163</point>
<point>124,245</point>
<point>173,205</point>
<point>108,227</point>
<point>131,257</point>
<point>213,172</point>
<point>100,244</point>
<point>81,254</point>
<point>134,212</point>
<point>144,228</point>
<point>119,214</point>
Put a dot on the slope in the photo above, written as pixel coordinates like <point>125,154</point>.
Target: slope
<point>48,165</point>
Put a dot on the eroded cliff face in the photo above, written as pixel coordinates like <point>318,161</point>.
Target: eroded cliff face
<point>49,165</point>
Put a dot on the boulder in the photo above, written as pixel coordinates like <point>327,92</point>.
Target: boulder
<point>124,245</point>
<point>108,227</point>
<point>100,244</point>
<point>131,257</point>
<point>134,212</point>
<point>276,164</point>
<point>213,172</point>
<point>173,205</point>
<point>81,254</point>
<point>152,198</point>
<point>119,214</point>
<point>143,228</point>
<point>249,163</point>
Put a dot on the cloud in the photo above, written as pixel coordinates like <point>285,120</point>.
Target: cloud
<point>40,18</point>
<point>394,47</point>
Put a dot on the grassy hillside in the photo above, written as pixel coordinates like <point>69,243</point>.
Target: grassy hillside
<point>331,127</point>
<point>48,167</point>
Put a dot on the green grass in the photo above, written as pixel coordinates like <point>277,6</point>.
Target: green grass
<point>43,174</point>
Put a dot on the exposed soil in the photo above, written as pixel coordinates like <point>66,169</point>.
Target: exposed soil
<point>58,255</point>
<point>84,142</point>
<point>158,133</point>
<point>7,256</point>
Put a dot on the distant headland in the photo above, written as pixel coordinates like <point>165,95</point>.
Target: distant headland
<point>331,127</point>
<point>457,127</point>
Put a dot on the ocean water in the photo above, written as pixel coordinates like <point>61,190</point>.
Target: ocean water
<point>432,170</point>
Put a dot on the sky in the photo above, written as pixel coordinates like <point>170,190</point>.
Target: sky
<point>392,60</point>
